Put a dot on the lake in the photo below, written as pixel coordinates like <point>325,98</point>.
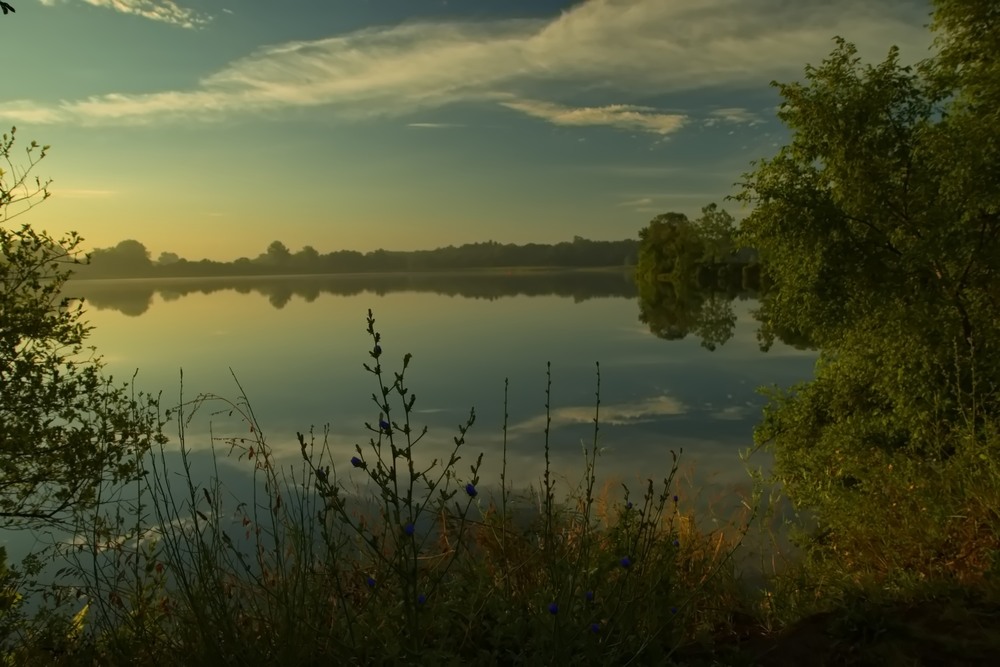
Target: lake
<point>297,345</point>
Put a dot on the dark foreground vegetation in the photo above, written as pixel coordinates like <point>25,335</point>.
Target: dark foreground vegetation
<point>878,230</point>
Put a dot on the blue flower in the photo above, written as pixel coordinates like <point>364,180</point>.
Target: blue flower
<point>322,474</point>
<point>589,595</point>
<point>371,582</point>
<point>595,628</point>
<point>675,499</point>
<point>673,610</point>
<point>408,529</point>
<point>626,562</point>
<point>553,608</point>
<point>384,425</point>
<point>471,490</point>
<point>421,598</point>
<point>356,462</point>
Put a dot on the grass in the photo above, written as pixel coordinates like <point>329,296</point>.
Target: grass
<point>426,563</point>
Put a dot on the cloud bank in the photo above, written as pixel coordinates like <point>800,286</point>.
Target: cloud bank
<point>155,10</point>
<point>624,116</point>
<point>621,50</point>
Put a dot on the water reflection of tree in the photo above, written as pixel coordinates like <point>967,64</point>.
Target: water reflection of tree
<point>134,297</point>
<point>674,309</point>
<point>702,305</point>
<point>280,296</point>
<point>130,298</point>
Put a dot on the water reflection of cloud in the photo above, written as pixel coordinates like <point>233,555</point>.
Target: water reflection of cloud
<point>622,413</point>
<point>632,450</point>
<point>660,395</point>
<point>143,537</point>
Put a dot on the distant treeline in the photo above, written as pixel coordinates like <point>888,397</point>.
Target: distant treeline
<point>131,259</point>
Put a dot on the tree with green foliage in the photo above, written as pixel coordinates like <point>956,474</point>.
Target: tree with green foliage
<point>879,225</point>
<point>277,254</point>
<point>717,229</point>
<point>669,248</point>
<point>65,429</point>
<point>676,256</point>
<point>128,258</point>
<point>167,258</point>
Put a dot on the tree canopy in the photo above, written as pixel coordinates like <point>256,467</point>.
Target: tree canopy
<point>673,247</point>
<point>879,224</point>
<point>65,428</point>
<point>688,272</point>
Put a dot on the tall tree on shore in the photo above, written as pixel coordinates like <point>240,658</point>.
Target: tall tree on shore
<point>879,224</point>
<point>669,248</point>
<point>717,229</point>
<point>65,428</point>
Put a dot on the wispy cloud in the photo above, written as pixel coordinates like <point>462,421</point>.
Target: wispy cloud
<point>624,116</point>
<point>733,115</point>
<point>614,47</point>
<point>664,201</point>
<point>619,414</point>
<point>649,172</point>
<point>435,126</point>
<point>641,201</point>
<point>26,111</point>
<point>155,10</point>
<point>82,193</point>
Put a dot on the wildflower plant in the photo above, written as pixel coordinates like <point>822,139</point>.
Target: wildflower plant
<point>419,562</point>
<point>409,495</point>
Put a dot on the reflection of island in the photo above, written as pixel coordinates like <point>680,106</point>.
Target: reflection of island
<point>133,297</point>
<point>698,303</point>
<point>673,311</point>
<point>702,304</point>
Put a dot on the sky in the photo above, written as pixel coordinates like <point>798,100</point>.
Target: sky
<point>211,128</point>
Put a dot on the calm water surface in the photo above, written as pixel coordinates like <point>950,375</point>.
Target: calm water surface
<point>297,346</point>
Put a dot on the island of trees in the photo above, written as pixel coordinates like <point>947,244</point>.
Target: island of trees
<point>690,271</point>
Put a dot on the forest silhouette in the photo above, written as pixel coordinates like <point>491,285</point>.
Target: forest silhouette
<point>131,259</point>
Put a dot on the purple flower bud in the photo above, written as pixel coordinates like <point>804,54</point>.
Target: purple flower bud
<point>421,599</point>
<point>471,490</point>
<point>408,529</point>
<point>589,596</point>
<point>595,628</point>
<point>553,608</point>
<point>371,582</point>
<point>356,462</point>
<point>626,562</point>
<point>384,425</point>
